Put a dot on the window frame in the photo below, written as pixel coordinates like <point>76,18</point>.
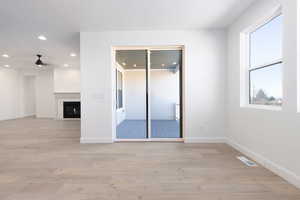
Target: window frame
<point>245,45</point>
<point>118,70</point>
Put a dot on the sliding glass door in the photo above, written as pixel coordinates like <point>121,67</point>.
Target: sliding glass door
<point>148,94</point>
<point>165,93</point>
<point>131,117</point>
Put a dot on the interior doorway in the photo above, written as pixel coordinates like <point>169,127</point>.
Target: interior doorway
<point>148,94</point>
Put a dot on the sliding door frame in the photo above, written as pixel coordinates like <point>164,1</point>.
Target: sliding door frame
<point>182,92</point>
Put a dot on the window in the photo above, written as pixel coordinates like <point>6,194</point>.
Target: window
<point>265,63</point>
<point>119,90</point>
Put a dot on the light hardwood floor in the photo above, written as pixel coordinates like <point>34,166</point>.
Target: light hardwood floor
<point>43,160</point>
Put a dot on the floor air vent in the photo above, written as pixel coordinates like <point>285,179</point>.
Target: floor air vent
<point>246,161</point>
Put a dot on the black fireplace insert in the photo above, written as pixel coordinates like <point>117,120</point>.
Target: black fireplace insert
<point>72,109</point>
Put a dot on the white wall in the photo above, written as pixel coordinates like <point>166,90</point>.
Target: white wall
<point>10,94</point>
<point>164,94</point>
<point>270,137</point>
<point>29,96</point>
<point>45,100</point>
<point>205,68</point>
<point>67,80</point>
<point>17,92</point>
<point>135,95</point>
<point>31,92</point>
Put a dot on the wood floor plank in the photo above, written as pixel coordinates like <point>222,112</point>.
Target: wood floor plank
<point>42,159</point>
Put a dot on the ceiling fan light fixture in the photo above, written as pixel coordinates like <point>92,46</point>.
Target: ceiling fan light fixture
<point>39,61</point>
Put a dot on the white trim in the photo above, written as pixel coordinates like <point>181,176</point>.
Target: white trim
<point>263,107</point>
<point>244,72</point>
<point>298,56</point>
<point>272,166</point>
<point>152,48</point>
<point>184,88</point>
<point>19,117</point>
<point>28,115</point>
<point>205,140</point>
<point>95,140</point>
<point>119,67</point>
<point>113,93</point>
<point>245,65</point>
<point>277,11</point>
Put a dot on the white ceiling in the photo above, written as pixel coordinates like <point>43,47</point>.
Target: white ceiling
<point>21,21</point>
<point>99,15</point>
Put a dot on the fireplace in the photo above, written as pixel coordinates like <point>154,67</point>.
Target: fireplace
<point>71,109</point>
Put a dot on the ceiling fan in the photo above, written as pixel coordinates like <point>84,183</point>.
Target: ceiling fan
<point>39,62</point>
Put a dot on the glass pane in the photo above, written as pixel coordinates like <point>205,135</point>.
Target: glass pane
<point>266,86</point>
<point>266,43</point>
<point>165,93</point>
<point>131,120</point>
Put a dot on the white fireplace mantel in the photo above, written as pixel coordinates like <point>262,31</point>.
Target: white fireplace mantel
<point>60,98</point>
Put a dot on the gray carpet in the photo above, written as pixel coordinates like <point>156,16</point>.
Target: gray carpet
<point>136,129</point>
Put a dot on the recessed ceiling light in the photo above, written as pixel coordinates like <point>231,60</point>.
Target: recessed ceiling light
<point>123,63</point>
<point>163,65</point>
<point>7,66</point>
<point>73,54</point>
<point>134,65</point>
<point>5,56</point>
<point>174,63</point>
<point>66,65</point>
<point>42,37</point>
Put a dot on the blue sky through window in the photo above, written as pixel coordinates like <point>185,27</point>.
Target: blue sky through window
<point>268,79</point>
<point>266,48</point>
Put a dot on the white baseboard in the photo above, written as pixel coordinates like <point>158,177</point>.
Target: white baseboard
<point>27,115</point>
<point>204,140</point>
<point>95,140</point>
<point>8,118</point>
<point>17,117</point>
<point>286,174</point>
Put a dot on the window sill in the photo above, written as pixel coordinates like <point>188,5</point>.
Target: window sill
<point>263,107</point>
